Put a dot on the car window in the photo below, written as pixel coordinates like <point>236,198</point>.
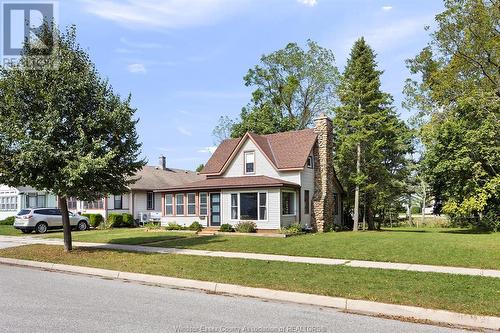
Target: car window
<point>24,212</point>
<point>56,211</point>
<point>42,211</point>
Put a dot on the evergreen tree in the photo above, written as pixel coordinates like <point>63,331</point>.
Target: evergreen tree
<point>371,141</point>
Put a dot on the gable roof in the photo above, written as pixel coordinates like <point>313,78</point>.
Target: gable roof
<point>285,151</point>
<point>153,178</point>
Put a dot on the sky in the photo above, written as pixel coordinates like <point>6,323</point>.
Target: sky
<point>183,61</point>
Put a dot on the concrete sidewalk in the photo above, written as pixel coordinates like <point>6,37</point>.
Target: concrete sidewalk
<point>12,241</point>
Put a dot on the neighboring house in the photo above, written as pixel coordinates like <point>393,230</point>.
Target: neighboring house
<point>274,180</point>
<point>141,201</point>
<point>14,199</point>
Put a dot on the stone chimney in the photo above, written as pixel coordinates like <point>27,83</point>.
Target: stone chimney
<point>322,201</point>
<point>162,163</point>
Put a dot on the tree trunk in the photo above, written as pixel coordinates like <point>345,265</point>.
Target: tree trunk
<point>370,218</point>
<point>63,206</point>
<point>356,193</point>
<point>364,214</point>
<point>423,203</point>
<point>409,215</point>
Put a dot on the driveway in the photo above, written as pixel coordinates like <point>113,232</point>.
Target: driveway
<point>43,301</point>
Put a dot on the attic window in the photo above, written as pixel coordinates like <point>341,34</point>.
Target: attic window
<point>249,162</point>
<point>310,162</point>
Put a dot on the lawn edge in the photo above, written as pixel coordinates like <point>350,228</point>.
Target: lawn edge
<point>348,305</point>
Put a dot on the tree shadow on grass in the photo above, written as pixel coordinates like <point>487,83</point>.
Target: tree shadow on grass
<point>413,231</point>
<point>466,232</point>
<point>187,242</point>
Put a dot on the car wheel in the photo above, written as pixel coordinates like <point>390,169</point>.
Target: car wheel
<point>41,228</point>
<point>26,231</point>
<point>82,226</point>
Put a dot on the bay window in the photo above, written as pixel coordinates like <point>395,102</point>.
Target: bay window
<point>179,204</point>
<point>203,204</point>
<point>288,203</point>
<point>191,204</point>
<point>169,205</point>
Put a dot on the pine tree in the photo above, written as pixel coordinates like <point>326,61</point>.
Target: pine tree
<point>371,141</point>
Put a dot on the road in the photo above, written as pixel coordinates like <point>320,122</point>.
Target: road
<point>41,301</point>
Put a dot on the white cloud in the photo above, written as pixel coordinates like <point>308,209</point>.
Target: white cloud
<point>184,131</point>
<point>210,149</point>
<point>137,68</point>
<point>163,13</point>
<point>386,8</point>
<point>310,3</point>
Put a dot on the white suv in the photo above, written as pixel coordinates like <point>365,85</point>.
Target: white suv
<point>42,219</point>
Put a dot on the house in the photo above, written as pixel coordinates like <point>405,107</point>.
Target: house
<point>274,180</point>
<point>14,199</point>
<point>141,201</point>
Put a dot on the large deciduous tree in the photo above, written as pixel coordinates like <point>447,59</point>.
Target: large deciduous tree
<point>62,127</point>
<point>371,141</point>
<point>292,86</point>
<point>458,94</point>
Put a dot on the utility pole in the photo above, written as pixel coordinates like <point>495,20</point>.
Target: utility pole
<point>358,171</point>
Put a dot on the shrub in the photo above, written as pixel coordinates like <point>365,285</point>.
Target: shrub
<point>292,229</point>
<point>115,220</point>
<point>226,228</point>
<point>246,226</point>
<point>173,226</point>
<point>8,221</point>
<point>128,220</point>
<point>94,219</point>
<point>195,226</point>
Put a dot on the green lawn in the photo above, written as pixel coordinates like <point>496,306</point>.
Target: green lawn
<point>122,236</point>
<point>433,246</point>
<point>9,230</point>
<point>466,294</point>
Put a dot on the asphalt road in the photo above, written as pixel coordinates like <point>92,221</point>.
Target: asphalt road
<point>32,300</point>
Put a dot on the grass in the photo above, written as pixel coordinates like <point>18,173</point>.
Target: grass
<point>465,294</point>
<point>433,246</point>
<point>8,230</point>
<point>122,236</point>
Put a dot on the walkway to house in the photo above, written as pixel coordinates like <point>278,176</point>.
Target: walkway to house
<point>12,241</point>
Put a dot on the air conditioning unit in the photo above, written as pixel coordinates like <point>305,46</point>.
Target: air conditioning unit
<point>155,216</point>
<point>143,218</point>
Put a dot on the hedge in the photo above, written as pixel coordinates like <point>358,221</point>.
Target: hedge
<point>8,221</point>
<point>95,220</point>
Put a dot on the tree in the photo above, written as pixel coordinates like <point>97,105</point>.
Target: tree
<point>63,128</point>
<point>222,130</point>
<point>457,91</point>
<point>200,167</point>
<point>371,141</point>
<point>292,86</point>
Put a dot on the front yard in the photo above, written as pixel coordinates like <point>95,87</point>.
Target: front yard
<point>432,246</point>
<point>465,294</point>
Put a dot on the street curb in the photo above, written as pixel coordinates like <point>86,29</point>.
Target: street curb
<point>349,305</point>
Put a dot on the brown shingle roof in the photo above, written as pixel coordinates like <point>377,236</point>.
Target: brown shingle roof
<point>286,150</point>
<point>153,178</point>
<point>233,182</point>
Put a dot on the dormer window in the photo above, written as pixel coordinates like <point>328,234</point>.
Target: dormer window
<point>249,162</point>
<point>310,162</point>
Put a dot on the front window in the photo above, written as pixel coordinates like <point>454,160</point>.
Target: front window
<point>8,203</point>
<point>306,202</point>
<point>310,162</point>
<point>262,206</point>
<point>249,162</point>
<point>336,204</point>
<point>169,205</point>
<point>191,203</point>
<point>97,204</point>
<point>150,200</point>
<point>248,206</point>
<point>118,202</point>
<point>179,204</point>
<point>234,206</point>
<point>72,204</point>
<point>288,203</point>
<point>203,204</point>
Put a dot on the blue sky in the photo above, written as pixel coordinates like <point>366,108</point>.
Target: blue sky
<point>183,61</point>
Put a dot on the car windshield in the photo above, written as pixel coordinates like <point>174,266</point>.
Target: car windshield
<point>23,212</point>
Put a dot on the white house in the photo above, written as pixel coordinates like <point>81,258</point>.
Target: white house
<point>274,180</point>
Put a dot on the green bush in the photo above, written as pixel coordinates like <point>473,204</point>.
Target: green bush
<point>292,229</point>
<point>195,226</point>
<point>246,227</point>
<point>95,220</point>
<point>128,220</point>
<point>115,220</point>
<point>8,221</point>
<point>173,226</point>
<point>226,228</point>
<point>416,210</point>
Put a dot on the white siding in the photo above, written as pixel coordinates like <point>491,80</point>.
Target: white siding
<point>307,183</point>
<point>262,165</point>
<point>273,207</point>
<point>7,194</point>
<point>182,220</point>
